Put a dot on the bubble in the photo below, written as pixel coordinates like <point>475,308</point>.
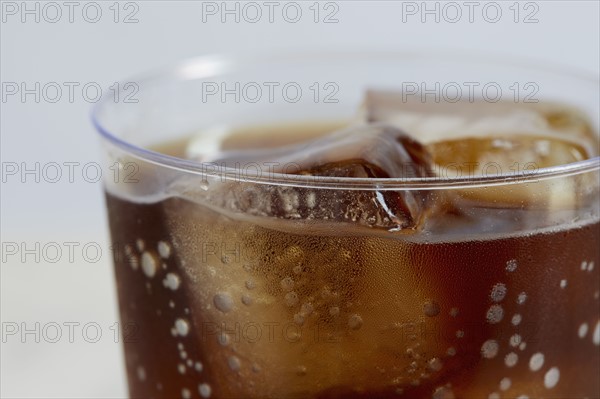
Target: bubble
<point>164,249</point>
<point>551,378</point>
<point>460,334</point>
<point>431,308</point>
<point>148,264</point>
<point>139,243</point>
<point>494,314</point>
<point>291,298</point>
<point>511,359</point>
<point>498,292</point>
<point>250,284</point>
<point>454,312</point>
<point>141,373</point>
<point>563,283</point>
<point>505,384</point>
<point>198,366</point>
<point>523,346</point>
<point>133,262</point>
<point>234,363</point>
<point>515,340</point>
<point>287,284</point>
<point>489,349</point>
<point>204,390</point>
<point>223,302</point>
<point>334,311</point>
<point>516,319</point>
<point>596,335</point>
<point>172,281</point>
<point>355,322</point>
<point>247,300</point>
<point>182,327</point>
<point>185,393</point>
<point>442,393</point>
<point>511,265</point>
<point>181,368</point>
<point>435,364</point>
<point>583,329</point>
<point>451,351</point>
<point>536,362</point>
<point>521,298</point>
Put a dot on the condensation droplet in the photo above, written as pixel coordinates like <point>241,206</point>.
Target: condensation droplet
<point>204,390</point>
<point>431,309</point>
<point>435,364</point>
<point>185,393</point>
<point>301,370</point>
<point>306,308</point>
<point>223,302</point>
<point>516,319</point>
<point>291,298</point>
<point>171,304</point>
<point>164,249</point>
<point>454,312</point>
<point>250,285</point>
<point>583,265</point>
<point>172,281</point>
<point>139,243</point>
<point>287,283</point>
<point>223,338</point>
<point>247,300</point>
<point>494,314</point>
<point>181,368</point>
<point>494,395</point>
<point>489,349</point>
<point>511,265</point>
<point>334,311</point>
<point>204,185</point>
<point>521,298</point>
<point>133,262</point>
<point>234,363</point>
<point>460,334</point>
<point>355,322</point>
<point>583,329</point>
<point>141,373</point>
<point>498,292</point>
<point>551,378</point>
<point>148,264</point>
<point>590,266</point>
<point>505,384</point>
<point>189,362</point>
<point>536,362</point>
<point>511,359</point>
<point>182,327</point>
<point>442,393</point>
<point>596,335</point>
<point>451,351</point>
<point>298,319</point>
<point>515,340</point>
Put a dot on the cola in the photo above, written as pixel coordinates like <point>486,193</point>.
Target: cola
<point>319,287</point>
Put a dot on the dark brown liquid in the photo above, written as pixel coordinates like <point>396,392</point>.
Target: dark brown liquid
<point>238,309</point>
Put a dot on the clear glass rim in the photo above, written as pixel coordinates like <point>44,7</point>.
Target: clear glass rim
<point>211,65</point>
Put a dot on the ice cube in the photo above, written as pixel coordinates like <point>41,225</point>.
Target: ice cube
<point>363,151</point>
<point>431,121</point>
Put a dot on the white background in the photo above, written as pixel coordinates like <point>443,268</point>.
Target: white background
<point>567,33</point>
